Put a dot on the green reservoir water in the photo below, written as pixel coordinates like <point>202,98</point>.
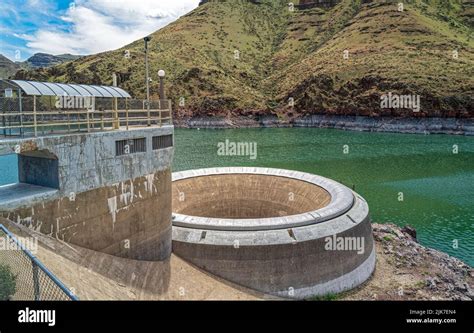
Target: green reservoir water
<point>437,185</point>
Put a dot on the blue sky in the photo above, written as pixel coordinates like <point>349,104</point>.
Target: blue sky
<point>81,26</point>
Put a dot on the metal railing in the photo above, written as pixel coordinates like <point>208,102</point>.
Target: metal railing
<point>28,278</point>
<point>33,116</point>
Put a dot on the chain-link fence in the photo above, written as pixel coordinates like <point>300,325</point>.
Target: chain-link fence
<point>23,276</point>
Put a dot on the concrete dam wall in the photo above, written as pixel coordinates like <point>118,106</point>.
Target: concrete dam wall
<point>108,192</point>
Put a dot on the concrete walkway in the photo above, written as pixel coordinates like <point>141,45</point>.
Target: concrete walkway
<point>16,194</point>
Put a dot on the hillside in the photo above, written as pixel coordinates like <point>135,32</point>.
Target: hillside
<point>253,57</point>
<point>7,67</point>
<point>39,60</point>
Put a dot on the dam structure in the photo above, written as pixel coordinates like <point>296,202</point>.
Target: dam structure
<point>281,232</point>
<point>98,178</point>
<point>95,185</point>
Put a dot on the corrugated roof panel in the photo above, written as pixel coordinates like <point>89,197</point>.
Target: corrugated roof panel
<point>61,89</point>
<point>123,92</point>
<point>111,91</point>
<point>119,92</point>
<point>28,88</point>
<point>104,91</point>
<point>92,90</point>
<point>56,89</point>
<point>81,90</point>
<point>43,88</point>
<point>69,90</point>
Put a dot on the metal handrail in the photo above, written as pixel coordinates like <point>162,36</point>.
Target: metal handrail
<point>37,263</point>
<point>108,119</point>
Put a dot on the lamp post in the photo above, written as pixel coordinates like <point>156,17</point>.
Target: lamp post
<point>161,75</point>
<point>147,79</point>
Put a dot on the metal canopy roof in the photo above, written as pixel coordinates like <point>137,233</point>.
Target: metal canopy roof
<point>62,89</point>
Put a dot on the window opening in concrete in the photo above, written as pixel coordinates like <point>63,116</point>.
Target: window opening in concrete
<point>29,174</point>
<point>162,142</point>
<point>38,168</point>
<point>130,146</point>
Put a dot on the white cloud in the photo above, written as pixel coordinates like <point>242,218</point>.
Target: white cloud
<point>102,25</point>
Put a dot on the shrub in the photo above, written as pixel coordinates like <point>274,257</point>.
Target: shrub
<point>7,283</point>
<point>327,297</point>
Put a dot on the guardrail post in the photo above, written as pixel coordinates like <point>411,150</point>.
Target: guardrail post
<point>34,115</point>
<point>36,284</point>
<point>160,112</point>
<point>148,113</point>
<point>126,112</point>
<point>4,111</point>
<point>116,115</point>
<point>93,120</point>
<point>88,121</point>
<point>20,104</point>
<point>116,123</point>
<point>170,108</point>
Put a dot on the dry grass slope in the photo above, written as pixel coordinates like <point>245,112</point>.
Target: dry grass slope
<point>251,57</point>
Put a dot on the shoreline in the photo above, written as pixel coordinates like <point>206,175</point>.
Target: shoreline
<point>407,270</point>
<point>450,126</point>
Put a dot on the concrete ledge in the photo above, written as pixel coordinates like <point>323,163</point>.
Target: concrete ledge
<point>87,161</point>
<point>19,195</point>
<point>341,201</point>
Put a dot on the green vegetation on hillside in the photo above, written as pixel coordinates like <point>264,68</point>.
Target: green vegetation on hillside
<point>7,67</point>
<point>7,283</point>
<point>253,57</point>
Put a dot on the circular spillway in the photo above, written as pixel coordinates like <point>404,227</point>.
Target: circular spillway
<point>251,197</point>
<point>281,232</point>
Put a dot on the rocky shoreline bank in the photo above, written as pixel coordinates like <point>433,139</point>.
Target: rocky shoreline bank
<point>452,126</point>
<point>407,270</point>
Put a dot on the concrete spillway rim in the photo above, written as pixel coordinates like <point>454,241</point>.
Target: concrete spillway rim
<point>342,199</point>
<point>358,213</point>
